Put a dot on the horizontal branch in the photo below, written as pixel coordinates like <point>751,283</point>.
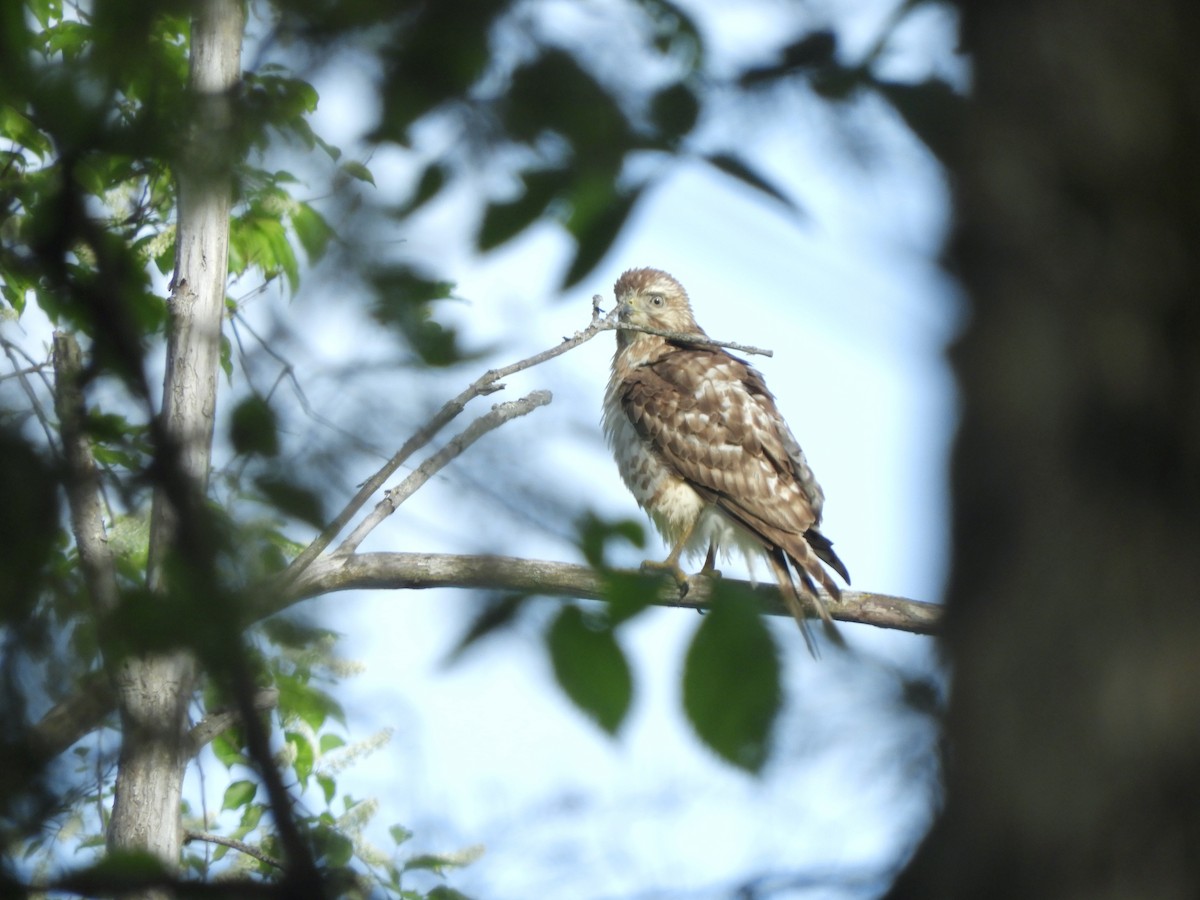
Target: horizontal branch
<point>233,844</point>
<point>418,571</point>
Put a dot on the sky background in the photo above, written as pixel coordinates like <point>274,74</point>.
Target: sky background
<point>850,298</point>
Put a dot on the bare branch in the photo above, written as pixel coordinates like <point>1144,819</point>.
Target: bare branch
<point>83,484</point>
<point>500,413</point>
<point>73,718</point>
<point>418,571</point>
<point>11,350</point>
<point>487,383</point>
<point>217,723</point>
<point>241,846</point>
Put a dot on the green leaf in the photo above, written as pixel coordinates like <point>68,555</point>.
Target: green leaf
<point>674,111</point>
<point>628,593</point>
<point>739,169</point>
<point>595,533</point>
<point>20,130</point>
<point>358,172</point>
<point>932,109</point>
<point>227,357</point>
<point>291,499</point>
<point>591,667</point>
<point>731,691</point>
<point>400,834</point>
<point>312,230</point>
<point>432,180</point>
<point>313,705</point>
<point>304,755</point>
<point>595,233</point>
<point>504,221</point>
<point>227,750</point>
<point>239,794</point>
<point>334,846</point>
<point>328,787</point>
<point>253,429</point>
<point>498,612</point>
<point>330,742</point>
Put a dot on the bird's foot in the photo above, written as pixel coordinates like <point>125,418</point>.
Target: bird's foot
<point>671,568</point>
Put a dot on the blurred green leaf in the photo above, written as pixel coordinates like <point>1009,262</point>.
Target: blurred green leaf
<point>504,221</point>
<point>591,667</point>
<point>932,109</point>
<point>239,794</point>
<point>358,172</point>
<point>595,534</point>
<point>743,172</point>
<point>292,499</point>
<point>674,111</point>
<point>731,689</point>
<point>253,428</point>
<point>312,230</point>
<point>303,751</point>
<point>498,611</point>
<point>628,593</point>
<point>595,230</point>
<point>328,787</point>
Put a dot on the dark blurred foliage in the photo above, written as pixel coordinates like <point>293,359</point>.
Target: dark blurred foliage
<point>1073,624</point>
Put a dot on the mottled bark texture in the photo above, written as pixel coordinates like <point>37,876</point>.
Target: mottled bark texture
<point>1073,621</point>
<point>154,690</point>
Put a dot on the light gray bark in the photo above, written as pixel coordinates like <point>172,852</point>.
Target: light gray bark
<point>154,691</point>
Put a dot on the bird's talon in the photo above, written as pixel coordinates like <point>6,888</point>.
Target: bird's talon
<point>680,577</point>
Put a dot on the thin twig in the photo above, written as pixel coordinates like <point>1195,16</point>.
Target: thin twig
<point>702,340</point>
<point>500,413</point>
<point>35,369</point>
<point>487,383</point>
<point>10,351</point>
<point>241,846</point>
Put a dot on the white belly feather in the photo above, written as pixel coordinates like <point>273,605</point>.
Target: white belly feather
<point>673,505</point>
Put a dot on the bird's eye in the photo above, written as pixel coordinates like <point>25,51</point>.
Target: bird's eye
<point>656,300</point>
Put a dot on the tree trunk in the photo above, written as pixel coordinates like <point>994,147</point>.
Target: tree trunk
<point>1073,627</point>
<point>154,690</point>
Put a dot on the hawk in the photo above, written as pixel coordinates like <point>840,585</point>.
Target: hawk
<point>702,447</point>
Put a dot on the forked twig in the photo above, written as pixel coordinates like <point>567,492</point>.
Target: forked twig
<point>500,413</point>
<point>487,383</point>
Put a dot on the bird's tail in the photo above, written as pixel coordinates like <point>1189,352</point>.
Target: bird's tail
<point>807,569</point>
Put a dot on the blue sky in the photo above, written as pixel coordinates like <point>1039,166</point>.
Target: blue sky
<point>852,301</point>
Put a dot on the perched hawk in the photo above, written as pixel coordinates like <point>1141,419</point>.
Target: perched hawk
<point>701,445</point>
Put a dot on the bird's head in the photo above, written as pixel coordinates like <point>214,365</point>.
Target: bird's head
<point>653,299</point>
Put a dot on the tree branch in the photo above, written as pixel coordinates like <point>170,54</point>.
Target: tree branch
<point>487,383</point>
<point>419,571</point>
<point>500,413</point>
<point>83,484</point>
<point>216,723</point>
<point>701,340</point>
<point>241,846</point>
